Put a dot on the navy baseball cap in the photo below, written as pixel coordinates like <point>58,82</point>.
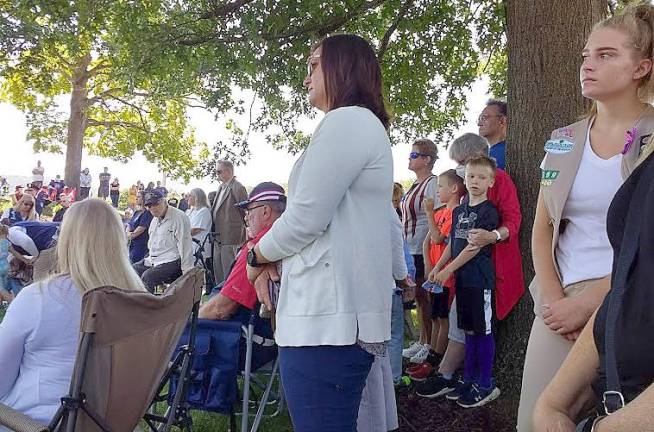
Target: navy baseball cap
<point>152,197</point>
<point>266,191</point>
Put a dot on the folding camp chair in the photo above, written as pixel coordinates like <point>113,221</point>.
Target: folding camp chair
<point>45,264</point>
<point>126,339</point>
<point>219,351</point>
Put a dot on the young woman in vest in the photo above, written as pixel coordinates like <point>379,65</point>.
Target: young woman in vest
<point>585,164</point>
<point>422,158</point>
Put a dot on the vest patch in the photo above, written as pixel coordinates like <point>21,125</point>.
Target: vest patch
<point>548,177</point>
<point>565,132</point>
<point>558,146</point>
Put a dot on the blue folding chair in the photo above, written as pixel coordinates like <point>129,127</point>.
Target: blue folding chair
<point>216,353</point>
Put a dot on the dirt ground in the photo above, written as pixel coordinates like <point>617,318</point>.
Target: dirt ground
<point>440,415</point>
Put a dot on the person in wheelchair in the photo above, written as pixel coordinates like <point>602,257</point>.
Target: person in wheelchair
<point>237,296</point>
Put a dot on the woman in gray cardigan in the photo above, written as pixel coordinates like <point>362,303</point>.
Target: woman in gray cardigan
<point>333,313</point>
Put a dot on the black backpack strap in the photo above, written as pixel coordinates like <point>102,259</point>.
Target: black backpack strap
<point>613,399</point>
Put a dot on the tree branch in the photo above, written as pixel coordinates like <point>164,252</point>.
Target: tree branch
<point>225,9</point>
<point>383,46</point>
<point>319,28</point>
<point>115,123</point>
<point>329,25</point>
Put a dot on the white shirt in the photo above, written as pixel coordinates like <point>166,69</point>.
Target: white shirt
<point>38,345</point>
<point>334,237</point>
<point>201,218</point>
<point>583,251</point>
<point>170,239</point>
<point>400,271</point>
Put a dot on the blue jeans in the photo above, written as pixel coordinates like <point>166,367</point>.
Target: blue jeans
<point>323,386</point>
<point>396,343</point>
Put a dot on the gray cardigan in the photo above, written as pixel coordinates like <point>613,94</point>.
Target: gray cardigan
<point>334,237</point>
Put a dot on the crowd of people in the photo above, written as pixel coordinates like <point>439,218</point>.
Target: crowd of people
<point>339,264</point>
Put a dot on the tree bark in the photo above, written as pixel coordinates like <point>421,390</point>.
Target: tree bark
<point>77,122</point>
<point>545,39</point>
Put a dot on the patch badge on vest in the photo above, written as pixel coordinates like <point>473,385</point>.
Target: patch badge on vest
<point>558,146</point>
<point>565,132</point>
<point>548,177</point>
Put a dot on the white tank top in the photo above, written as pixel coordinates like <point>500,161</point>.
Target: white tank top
<point>583,251</point>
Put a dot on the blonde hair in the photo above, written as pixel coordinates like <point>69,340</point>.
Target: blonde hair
<point>637,21</point>
<point>32,216</point>
<point>95,255</point>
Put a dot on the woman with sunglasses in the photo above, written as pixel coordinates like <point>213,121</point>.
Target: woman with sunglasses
<point>22,211</point>
<point>334,308</point>
<point>422,158</point>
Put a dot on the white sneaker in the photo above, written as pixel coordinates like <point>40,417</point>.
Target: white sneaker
<point>421,355</point>
<point>412,350</point>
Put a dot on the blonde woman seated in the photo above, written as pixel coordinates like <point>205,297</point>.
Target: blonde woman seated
<point>39,334</point>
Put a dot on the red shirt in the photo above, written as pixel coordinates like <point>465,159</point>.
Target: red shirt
<point>509,280</point>
<point>237,286</point>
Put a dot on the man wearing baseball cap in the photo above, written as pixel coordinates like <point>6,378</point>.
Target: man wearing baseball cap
<point>264,205</point>
<point>170,244</point>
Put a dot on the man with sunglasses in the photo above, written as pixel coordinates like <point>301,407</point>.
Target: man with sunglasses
<point>492,123</point>
<point>264,206</point>
<point>170,244</point>
<point>228,225</point>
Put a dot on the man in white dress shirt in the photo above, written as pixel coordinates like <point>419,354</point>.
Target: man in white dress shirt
<point>170,244</point>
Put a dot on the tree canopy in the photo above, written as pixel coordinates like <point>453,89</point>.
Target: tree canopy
<point>53,49</point>
<point>145,61</point>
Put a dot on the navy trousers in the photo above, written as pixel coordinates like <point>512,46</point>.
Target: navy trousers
<point>323,386</point>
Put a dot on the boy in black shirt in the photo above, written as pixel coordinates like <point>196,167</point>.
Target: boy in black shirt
<point>474,282</point>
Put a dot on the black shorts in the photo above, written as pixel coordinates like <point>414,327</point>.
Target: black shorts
<point>419,262</point>
<point>474,308</point>
<point>440,304</point>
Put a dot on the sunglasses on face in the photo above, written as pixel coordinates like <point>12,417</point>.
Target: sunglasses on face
<point>249,210</point>
<point>416,155</point>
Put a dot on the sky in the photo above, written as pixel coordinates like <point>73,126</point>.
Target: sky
<point>265,163</point>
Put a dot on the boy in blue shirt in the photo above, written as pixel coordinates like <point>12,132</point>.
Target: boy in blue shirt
<point>474,281</point>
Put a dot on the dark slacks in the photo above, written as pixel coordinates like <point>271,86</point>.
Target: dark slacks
<point>323,386</point>
<point>156,275</point>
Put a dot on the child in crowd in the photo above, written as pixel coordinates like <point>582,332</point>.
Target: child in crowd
<point>450,190</point>
<point>475,282</point>
<point>5,295</point>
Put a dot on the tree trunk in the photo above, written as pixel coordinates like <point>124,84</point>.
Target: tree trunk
<point>77,122</point>
<point>545,39</point>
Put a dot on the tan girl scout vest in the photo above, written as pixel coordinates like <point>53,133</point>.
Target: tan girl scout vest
<point>563,154</point>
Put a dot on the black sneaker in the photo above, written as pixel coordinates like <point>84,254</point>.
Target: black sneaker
<point>460,388</point>
<point>435,386</point>
<point>477,396</point>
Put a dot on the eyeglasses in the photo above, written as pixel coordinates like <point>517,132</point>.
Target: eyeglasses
<point>248,210</point>
<point>311,66</point>
<point>28,205</point>
<point>482,118</point>
<point>416,155</point>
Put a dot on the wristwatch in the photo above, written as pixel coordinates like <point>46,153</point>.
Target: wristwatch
<point>252,259</point>
<point>499,236</point>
